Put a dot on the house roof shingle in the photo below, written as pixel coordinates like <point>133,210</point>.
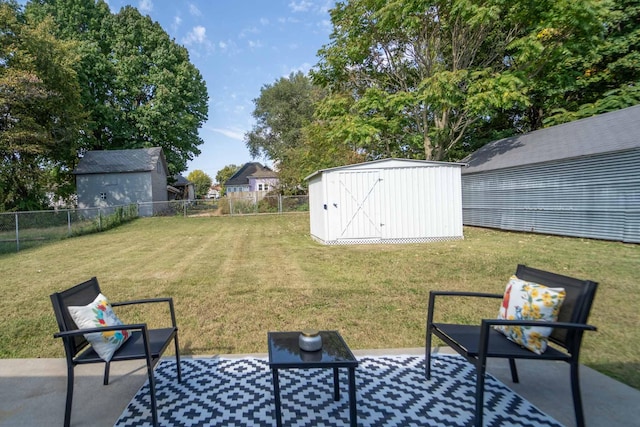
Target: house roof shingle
<point>254,170</point>
<point>115,161</point>
<point>609,132</point>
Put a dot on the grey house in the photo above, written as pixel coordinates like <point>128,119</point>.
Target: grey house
<point>577,179</point>
<point>122,177</point>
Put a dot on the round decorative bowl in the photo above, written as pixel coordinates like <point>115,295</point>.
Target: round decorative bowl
<point>310,340</point>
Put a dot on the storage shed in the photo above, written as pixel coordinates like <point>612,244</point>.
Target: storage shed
<point>386,201</point>
<point>578,179</point>
<point>108,178</point>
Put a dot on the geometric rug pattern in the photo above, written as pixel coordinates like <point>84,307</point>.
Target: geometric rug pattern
<point>391,391</point>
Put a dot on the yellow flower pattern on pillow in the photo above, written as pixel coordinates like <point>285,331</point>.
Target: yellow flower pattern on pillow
<point>530,301</point>
<point>99,313</point>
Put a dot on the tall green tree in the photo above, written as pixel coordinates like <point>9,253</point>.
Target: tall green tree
<point>88,23</point>
<point>422,74</point>
<point>160,98</point>
<point>201,183</point>
<point>281,111</point>
<point>288,132</point>
<point>609,74</point>
<point>41,115</point>
<point>139,85</point>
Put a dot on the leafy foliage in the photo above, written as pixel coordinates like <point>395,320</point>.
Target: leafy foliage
<point>290,132</point>
<point>421,75</point>
<point>75,77</point>
<point>610,73</point>
<point>138,84</point>
<point>40,111</point>
<point>201,183</point>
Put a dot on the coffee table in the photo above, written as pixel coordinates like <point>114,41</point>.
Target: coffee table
<point>285,353</point>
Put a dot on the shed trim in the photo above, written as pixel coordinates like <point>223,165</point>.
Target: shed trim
<point>409,163</point>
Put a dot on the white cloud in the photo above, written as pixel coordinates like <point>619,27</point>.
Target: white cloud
<point>246,31</point>
<point>176,23</point>
<point>145,6</point>
<point>233,133</point>
<point>255,44</point>
<point>304,68</point>
<point>193,9</point>
<point>197,35</point>
<point>264,21</point>
<point>300,6</point>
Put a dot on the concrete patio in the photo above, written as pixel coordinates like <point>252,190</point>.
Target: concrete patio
<point>32,391</point>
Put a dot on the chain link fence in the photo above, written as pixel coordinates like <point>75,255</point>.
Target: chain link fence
<point>22,230</point>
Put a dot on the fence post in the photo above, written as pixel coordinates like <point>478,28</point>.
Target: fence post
<point>99,219</point>
<point>230,206</point>
<point>184,208</point>
<point>17,234</point>
<point>279,203</point>
<point>69,222</point>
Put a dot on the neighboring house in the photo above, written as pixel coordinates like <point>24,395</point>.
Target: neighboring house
<point>386,201</point>
<point>577,179</point>
<point>122,177</point>
<point>181,189</point>
<point>251,179</point>
<point>214,192</point>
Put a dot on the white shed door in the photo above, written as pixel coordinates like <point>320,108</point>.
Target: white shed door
<point>359,205</point>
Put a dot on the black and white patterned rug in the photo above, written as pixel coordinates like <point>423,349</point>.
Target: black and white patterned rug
<point>391,391</point>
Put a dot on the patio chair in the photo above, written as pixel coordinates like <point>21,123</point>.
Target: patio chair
<point>143,342</point>
<point>479,342</point>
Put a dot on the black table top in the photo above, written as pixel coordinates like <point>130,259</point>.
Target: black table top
<point>285,352</point>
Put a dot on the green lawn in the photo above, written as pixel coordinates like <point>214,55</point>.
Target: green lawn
<point>235,278</point>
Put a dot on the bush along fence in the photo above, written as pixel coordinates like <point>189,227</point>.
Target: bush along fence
<point>21,230</point>
<point>237,205</point>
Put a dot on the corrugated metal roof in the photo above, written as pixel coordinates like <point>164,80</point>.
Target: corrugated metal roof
<point>609,132</point>
<point>395,162</point>
<point>118,161</point>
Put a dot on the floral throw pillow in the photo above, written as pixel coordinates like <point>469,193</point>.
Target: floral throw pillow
<point>99,313</point>
<point>530,301</point>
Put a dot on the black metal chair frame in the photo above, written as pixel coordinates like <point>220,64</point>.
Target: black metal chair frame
<point>144,343</point>
<point>479,342</point>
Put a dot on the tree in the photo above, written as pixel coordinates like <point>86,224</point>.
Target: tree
<point>422,74</point>
<point>138,84</point>
<point>609,74</point>
<point>223,176</point>
<point>201,183</point>
<point>40,111</point>
<point>282,112</point>
<point>88,23</point>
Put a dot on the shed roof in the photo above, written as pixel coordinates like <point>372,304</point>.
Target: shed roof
<point>252,169</point>
<point>392,162</point>
<point>119,161</point>
<point>609,132</point>
<point>181,181</point>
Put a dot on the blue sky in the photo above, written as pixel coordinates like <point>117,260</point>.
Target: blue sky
<point>239,46</point>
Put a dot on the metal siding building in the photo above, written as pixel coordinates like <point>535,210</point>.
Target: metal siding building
<point>579,179</point>
<point>386,201</point>
<point>108,178</point>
